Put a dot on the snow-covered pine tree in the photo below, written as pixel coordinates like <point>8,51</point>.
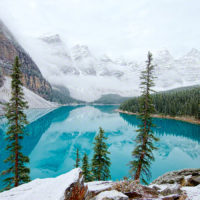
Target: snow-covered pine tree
<point>17,173</point>
<point>86,168</point>
<point>101,161</point>
<point>77,164</point>
<point>143,152</point>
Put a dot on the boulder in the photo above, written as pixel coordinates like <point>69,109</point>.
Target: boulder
<point>133,194</point>
<point>174,189</point>
<point>77,190</point>
<point>193,181</point>
<point>176,176</point>
<point>96,187</point>
<point>171,197</point>
<point>111,195</point>
<point>134,190</point>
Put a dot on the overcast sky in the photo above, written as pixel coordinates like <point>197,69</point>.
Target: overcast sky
<point>115,27</point>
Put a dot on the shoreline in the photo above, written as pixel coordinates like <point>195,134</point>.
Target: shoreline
<point>184,118</point>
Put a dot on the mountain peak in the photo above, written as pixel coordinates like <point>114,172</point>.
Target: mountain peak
<point>164,54</point>
<point>163,57</point>
<point>105,58</point>
<point>80,51</point>
<point>51,39</point>
<point>193,52</point>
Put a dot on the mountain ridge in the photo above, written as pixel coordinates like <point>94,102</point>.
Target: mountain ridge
<point>31,75</point>
<point>88,77</point>
<point>32,78</point>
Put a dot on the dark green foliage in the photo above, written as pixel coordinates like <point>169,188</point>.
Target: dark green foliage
<point>86,169</point>
<point>77,164</point>
<point>142,153</point>
<point>17,173</point>
<point>100,160</point>
<point>178,102</point>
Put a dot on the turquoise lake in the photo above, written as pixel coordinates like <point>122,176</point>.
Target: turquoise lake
<point>55,136</point>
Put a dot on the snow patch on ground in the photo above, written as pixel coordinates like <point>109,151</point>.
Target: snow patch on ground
<point>99,185</point>
<point>165,186</point>
<point>193,193</point>
<point>113,194</point>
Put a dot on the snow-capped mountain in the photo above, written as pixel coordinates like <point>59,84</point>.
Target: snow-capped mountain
<point>83,60</point>
<point>88,76</point>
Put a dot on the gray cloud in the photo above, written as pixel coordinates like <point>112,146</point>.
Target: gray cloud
<point>116,27</point>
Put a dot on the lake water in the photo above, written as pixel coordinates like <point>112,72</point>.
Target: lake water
<point>54,138</point>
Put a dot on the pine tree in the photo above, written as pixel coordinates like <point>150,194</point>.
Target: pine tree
<point>142,153</point>
<point>77,164</point>
<point>17,173</point>
<point>101,161</point>
<point>86,168</point>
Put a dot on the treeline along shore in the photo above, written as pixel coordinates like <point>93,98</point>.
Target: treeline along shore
<point>188,119</point>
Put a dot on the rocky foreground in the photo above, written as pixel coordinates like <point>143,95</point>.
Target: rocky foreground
<point>177,185</point>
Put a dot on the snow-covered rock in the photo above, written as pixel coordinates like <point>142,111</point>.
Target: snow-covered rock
<point>99,185</point>
<point>182,182</point>
<point>134,190</point>
<point>64,187</point>
<point>111,195</point>
<point>34,100</point>
<point>177,177</point>
<point>71,186</point>
<point>96,187</point>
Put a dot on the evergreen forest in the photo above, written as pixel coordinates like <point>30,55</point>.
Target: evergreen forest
<point>178,102</point>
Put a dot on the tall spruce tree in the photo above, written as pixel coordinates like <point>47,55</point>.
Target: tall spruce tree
<point>77,164</point>
<point>101,161</point>
<point>17,173</point>
<point>86,168</point>
<point>143,152</point>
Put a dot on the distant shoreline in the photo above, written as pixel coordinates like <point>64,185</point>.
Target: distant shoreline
<point>188,119</point>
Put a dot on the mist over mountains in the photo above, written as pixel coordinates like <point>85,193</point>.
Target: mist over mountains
<point>88,76</point>
<point>78,74</point>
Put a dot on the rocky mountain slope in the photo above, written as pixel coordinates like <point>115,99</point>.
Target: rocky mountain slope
<point>32,77</point>
<point>34,100</point>
<point>88,76</point>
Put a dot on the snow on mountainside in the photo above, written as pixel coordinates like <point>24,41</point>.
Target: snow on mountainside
<point>34,100</point>
<point>88,77</point>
